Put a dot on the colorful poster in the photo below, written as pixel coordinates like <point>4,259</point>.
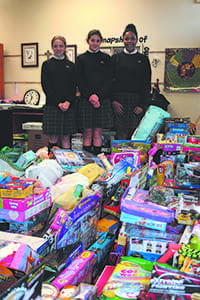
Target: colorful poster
<point>182,70</point>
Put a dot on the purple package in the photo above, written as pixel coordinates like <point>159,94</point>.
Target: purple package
<point>134,203</point>
<point>80,270</point>
<point>166,282</point>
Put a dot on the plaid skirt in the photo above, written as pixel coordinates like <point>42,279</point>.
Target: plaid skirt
<point>129,120</point>
<point>57,122</point>
<point>90,117</point>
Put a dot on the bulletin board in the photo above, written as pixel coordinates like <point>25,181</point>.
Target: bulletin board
<point>182,70</point>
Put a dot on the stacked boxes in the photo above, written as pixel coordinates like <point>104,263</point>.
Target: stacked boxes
<point>36,139</point>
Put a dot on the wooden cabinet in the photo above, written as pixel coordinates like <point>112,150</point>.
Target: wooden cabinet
<point>1,72</point>
<point>11,121</point>
<point>20,116</point>
<point>6,128</point>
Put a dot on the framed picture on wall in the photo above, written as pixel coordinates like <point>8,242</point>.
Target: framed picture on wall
<point>71,52</point>
<point>182,70</point>
<point>29,55</point>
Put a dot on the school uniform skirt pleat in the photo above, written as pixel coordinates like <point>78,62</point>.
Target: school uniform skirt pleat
<point>128,120</point>
<point>57,122</point>
<point>90,117</point>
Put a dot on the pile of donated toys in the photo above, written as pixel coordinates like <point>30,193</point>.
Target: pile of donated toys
<point>123,225</point>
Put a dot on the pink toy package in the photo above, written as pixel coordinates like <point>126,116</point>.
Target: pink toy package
<point>79,271</point>
<point>60,218</point>
<point>135,202</point>
<point>38,196</point>
<point>116,157</point>
<point>24,258</point>
<point>21,210</point>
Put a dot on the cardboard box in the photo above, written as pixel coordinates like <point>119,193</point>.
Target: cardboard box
<point>150,249</point>
<point>81,223</point>
<point>40,245</point>
<point>21,216</point>
<point>108,224</point>
<point>28,287</point>
<point>18,188</point>
<point>101,248</point>
<point>79,271</point>
<point>25,203</point>
<point>29,226</point>
<point>37,140</point>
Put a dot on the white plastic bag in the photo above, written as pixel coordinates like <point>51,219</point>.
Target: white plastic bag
<point>48,172</point>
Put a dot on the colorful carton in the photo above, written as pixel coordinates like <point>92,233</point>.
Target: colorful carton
<point>81,224</point>
<point>101,248</point>
<point>134,203</point>
<point>21,216</point>
<point>18,188</point>
<point>25,203</point>
<point>79,271</point>
<point>108,224</point>
<point>150,249</point>
<point>29,226</point>
<point>38,244</point>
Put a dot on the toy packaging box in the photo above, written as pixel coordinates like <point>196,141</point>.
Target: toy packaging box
<point>150,124</point>
<point>81,224</point>
<point>163,195</point>
<point>182,122</point>
<point>172,284</point>
<point>38,244</point>
<point>31,226</point>
<point>187,176</point>
<point>24,259</point>
<point>57,260</point>
<point>134,231</point>
<point>134,203</point>
<point>170,143</point>
<point>187,211</point>
<point>26,159</point>
<point>22,210</point>
<point>111,178</point>
<point>129,279</point>
<point>101,248</point>
<point>150,249</point>
<point>142,221</point>
<point>160,172</point>
<point>28,287</point>
<point>36,197</point>
<point>71,161</point>
<point>79,271</point>
<point>191,142</point>
<point>141,147</point>
<point>108,224</point>
<point>116,157</point>
<point>4,177</point>
<point>18,188</point>
<point>138,178</point>
<point>86,291</point>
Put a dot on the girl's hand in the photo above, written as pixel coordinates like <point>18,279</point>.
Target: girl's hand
<point>118,108</point>
<point>94,100</point>
<point>138,110</point>
<point>64,106</point>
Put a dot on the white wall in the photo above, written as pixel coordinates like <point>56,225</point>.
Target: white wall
<point>167,24</point>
